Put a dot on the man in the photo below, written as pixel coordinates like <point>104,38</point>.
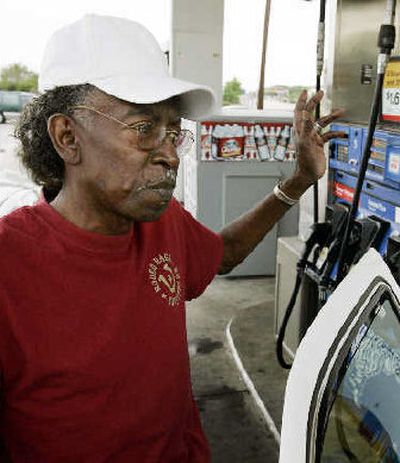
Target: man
<point>93,345</point>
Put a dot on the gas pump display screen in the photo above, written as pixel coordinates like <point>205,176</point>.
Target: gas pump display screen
<point>391,92</point>
<point>363,424</point>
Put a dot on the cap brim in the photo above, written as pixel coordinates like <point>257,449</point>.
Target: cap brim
<point>197,101</point>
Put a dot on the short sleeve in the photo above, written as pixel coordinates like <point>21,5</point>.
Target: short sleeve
<point>203,254</point>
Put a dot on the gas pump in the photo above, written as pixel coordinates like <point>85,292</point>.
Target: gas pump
<point>364,175</point>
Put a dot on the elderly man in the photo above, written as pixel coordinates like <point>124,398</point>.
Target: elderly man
<point>93,349</point>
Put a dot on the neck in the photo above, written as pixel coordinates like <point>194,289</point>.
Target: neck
<point>84,213</point>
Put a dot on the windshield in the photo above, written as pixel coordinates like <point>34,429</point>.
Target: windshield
<point>363,424</point>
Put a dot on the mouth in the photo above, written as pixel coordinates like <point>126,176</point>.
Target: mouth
<point>163,187</point>
<point>167,182</point>
<point>165,193</point>
<point>160,192</point>
<point>166,185</point>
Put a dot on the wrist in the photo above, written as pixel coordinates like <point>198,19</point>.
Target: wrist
<point>296,186</point>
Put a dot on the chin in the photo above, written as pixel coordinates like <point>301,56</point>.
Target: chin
<point>151,217</point>
<point>148,206</point>
<point>149,214</point>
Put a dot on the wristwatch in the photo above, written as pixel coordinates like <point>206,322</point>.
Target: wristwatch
<point>283,196</point>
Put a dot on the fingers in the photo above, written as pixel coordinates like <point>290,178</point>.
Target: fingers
<point>306,116</point>
<point>304,109</point>
<point>301,101</point>
<point>330,135</point>
<point>335,114</point>
<point>312,102</point>
<point>304,120</point>
<point>307,120</point>
<point>300,105</point>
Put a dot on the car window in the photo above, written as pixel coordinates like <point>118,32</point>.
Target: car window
<point>341,401</point>
<point>10,99</point>
<point>363,422</point>
<point>26,98</point>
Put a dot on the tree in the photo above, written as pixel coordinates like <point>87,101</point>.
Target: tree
<point>18,77</point>
<point>232,91</point>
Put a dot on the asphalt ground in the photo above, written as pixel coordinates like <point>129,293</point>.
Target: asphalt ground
<point>234,425</point>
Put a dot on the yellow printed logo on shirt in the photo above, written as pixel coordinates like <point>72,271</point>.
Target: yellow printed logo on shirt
<point>165,278</point>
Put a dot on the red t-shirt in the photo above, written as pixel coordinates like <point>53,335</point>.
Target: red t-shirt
<point>93,348</point>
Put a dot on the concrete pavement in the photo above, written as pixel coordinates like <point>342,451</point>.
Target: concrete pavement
<point>234,424</point>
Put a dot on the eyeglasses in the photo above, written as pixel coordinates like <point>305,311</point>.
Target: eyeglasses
<point>150,135</point>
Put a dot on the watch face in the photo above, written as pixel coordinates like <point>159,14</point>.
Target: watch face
<point>341,401</point>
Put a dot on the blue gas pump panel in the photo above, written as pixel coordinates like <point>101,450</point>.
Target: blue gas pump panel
<point>384,162</point>
<point>346,183</point>
<point>340,156</point>
<point>370,206</point>
<point>356,136</point>
<point>392,164</point>
<point>376,200</point>
<point>376,163</point>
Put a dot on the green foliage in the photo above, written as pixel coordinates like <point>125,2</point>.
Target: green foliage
<point>232,91</point>
<point>18,77</point>
<point>294,93</point>
<point>284,92</point>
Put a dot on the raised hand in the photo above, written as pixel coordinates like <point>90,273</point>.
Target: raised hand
<point>310,138</point>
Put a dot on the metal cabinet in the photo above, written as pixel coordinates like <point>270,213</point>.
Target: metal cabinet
<point>217,192</point>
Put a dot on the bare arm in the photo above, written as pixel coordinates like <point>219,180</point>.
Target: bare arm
<point>242,235</point>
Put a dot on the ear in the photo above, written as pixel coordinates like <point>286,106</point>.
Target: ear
<point>62,131</point>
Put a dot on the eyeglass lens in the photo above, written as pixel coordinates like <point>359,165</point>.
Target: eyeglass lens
<point>181,139</point>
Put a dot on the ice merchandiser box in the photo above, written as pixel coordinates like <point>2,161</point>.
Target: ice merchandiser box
<point>239,158</point>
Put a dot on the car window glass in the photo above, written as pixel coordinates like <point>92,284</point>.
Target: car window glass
<point>11,99</point>
<point>25,99</point>
<point>363,423</point>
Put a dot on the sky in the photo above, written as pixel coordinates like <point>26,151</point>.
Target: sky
<point>27,24</point>
<point>291,48</point>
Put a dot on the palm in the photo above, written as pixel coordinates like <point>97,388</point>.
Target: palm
<point>311,162</point>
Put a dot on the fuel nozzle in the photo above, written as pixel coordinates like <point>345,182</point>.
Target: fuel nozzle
<point>319,233</point>
<point>387,32</point>
<point>386,39</point>
<point>392,256</point>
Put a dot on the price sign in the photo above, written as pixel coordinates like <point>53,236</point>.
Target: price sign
<point>391,92</point>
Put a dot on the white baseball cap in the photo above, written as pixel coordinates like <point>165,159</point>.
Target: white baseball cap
<point>122,58</point>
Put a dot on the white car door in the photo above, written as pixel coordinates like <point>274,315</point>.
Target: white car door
<point>342,400</point>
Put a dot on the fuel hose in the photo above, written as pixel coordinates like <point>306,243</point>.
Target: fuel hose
<point>319,232</point>
<point>288,312</point>
<point>301,264</point>
<point>320,66</point>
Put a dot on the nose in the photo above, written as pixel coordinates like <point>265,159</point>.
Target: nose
<point>166,154</point>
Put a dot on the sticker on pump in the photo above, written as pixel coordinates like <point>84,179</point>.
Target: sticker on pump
<point>397,215</point>
<point>391,92</point>
<point>394,163</point>
<point>343,192</point>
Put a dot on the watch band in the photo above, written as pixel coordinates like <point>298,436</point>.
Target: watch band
<point>282,196</point>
